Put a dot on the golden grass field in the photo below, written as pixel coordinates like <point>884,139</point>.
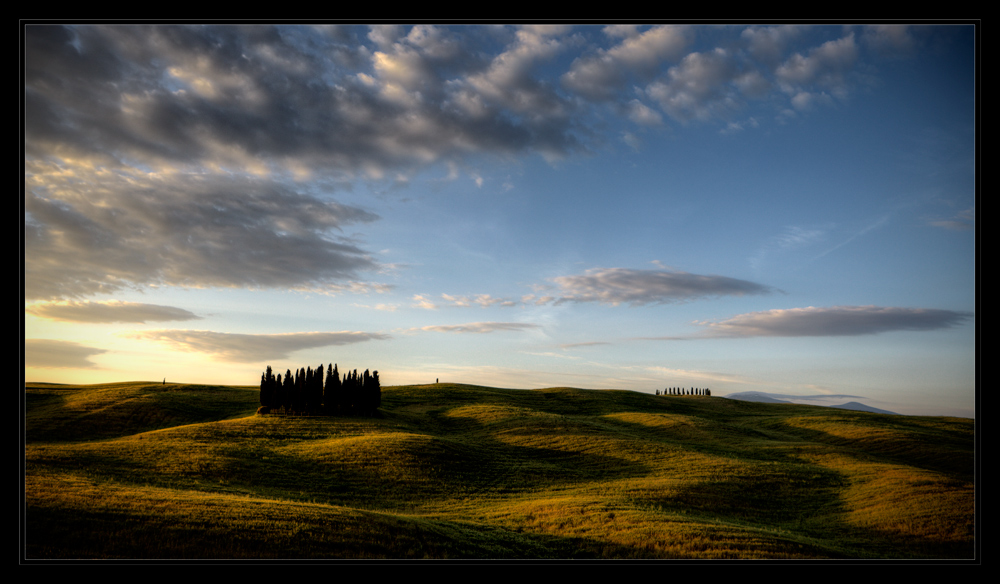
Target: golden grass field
<point>151,471</point>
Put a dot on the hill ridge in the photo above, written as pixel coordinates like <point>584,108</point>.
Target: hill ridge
<point>526,473</point>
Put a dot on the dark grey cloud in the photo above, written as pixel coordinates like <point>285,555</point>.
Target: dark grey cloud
<point>49,354</point>
<point>640,287</point>
<point>890,39</point>
<point>480,327</point>
<point>88,233</point>
<point>280,96</point>
<point>252,348</point>
<point>108,312</point>
<point>369,100</point>
<point>768,44</point>
<point>586,344</point>
<point>168,155</point>
<point>834,321</point>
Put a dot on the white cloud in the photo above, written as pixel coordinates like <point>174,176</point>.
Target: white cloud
<point>826,66</point>
<point>420,301</point>
<point>602,75</point>
<point>805,101</point>
<point>509,82</point>
<point>483,300</point>
<point>480,327</point>
<point>642,114</point>
<point>700,87</point>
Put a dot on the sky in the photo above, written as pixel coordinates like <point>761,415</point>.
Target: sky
<point>787,209</point>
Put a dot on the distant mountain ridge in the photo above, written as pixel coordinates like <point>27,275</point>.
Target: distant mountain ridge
<point>775,398</point>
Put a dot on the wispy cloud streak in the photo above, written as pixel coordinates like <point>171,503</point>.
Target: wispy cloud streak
<point>53,354</point>
<point>109,312</point>
<point>834,322</point>
<point>251,348</point>
<point>641,287</point>
<point>480,327</point>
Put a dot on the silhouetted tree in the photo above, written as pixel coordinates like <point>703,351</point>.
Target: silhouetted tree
<point>330,389</point>
<point>287,391</point>
<point>269,389</point>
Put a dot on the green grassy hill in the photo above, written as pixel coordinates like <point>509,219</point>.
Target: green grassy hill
<point>145,470</point>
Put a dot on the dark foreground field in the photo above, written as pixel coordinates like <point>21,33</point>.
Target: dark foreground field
<point>144,470</point>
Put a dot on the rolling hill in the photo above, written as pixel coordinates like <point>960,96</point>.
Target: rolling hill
<point>146,470</point>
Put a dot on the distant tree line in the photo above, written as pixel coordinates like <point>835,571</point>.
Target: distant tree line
<point>308,392</point>
<point>684,391</point>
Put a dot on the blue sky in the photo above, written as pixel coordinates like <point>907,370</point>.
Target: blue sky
<point>744,208</point>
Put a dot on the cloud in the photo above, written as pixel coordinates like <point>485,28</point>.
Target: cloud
<point>806,101</point>
<point>420,301</point>
<point>333,289</point>
<point>49,354</point>
<point>171,155</point>
<point>90,231</point>
<point>538,300</point>
<point>251,348</point>
<point>640,287</point>
<point>768,44</point>
<point>585,344</point>
<point>260,97</point>
<point>108,312</point>
<point>602,75</point>
<point>483,300</point>
<point>641,114</point>
<point>793,237</point>
<point>167,155</point>
<point>701,87</point>
<point>835,321</point>
<point>480,327</point>
<point>356,101</point>
<point>963,221</point>
<point>889,39</point>
<point>680,376</point>
<point>826,66</point>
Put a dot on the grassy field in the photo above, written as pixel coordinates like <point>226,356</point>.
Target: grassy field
<point>145,470</point>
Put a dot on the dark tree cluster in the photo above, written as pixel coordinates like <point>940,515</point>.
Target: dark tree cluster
<point>307,391</point>
<point>684,391</point>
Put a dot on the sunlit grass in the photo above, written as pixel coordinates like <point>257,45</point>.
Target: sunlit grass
<point>464,472</point>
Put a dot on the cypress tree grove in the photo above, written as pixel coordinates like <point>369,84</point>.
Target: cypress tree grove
<point>307,392</point>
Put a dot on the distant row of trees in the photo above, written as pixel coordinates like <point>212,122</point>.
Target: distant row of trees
<point>684,391</point>
<point>308,392</point>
